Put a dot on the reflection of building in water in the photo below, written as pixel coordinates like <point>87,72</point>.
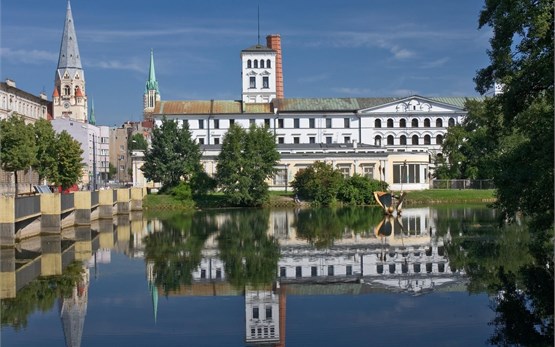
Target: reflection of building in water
<point>262,319</point>
<point>152,289</point>
<point>73,310</point>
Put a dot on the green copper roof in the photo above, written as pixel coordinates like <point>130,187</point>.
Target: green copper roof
<point>151,83</point>
<point>92,119</point>
<point>458,101</point>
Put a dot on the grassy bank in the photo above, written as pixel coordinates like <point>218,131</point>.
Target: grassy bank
<point>161,202</point>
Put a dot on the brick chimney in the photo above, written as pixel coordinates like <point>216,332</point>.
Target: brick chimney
<point>274,42</point>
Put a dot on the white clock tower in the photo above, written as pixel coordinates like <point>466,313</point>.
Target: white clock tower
<point>69,98</point>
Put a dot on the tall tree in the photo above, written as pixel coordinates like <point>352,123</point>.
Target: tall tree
<point>521,59</point>
<point>173,154</point>
<point>246,161</point>
<point>45,139</point>
<point>137,142</point>
<point>70,166</point>
<point>17,146</point>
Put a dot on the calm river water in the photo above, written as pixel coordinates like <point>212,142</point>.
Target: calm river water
<point>276,277</point>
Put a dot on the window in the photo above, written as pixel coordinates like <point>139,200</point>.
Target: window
<point>201,141</point>
<point>349,270</point>
<point>218,273</point>
<point>267,123</point>
<point>296,123</point>
<point>391,268</point>
<point>328,123</point>
<point>296,140</point>
<point>414,139</point>
<point>403,123</point>
<point>268,312</point>
<point>345,171</point>
<point>312,123</point>
<point>403,140</point>
<point>312,139</point>
<point>451,122</point>
<point>368,171</point>
<point>231,122</point>
<point>203,273</point>
<point>390,123</point>
<point>201,123</point>
<point>298,271</point>
<point>262,63</point>
<point>217,141</point>
<point>414,123</point>
<point>427,140</point>
<point>439,139</point>
<point>379,269</point>
<point>377,123</point>
<point>426,123</point>
<point>347,123</point>
<point>282,271</point>
<point>265,82</point>
<point>346,139</point>
<point>249,64</point>
<point>328,139</point>
<point>280,123</point>
<point>439,123</point>
<point>268,63</point>
<point>67,90</point>
<point>256,64</point>
<point>255,314</point>
<point>252,82</point>
<point>216,124</point>
<point>406,173</point>
<point>390,140</point>
<point>330,270</point>
<point>252,121</point>
<point>314,271</point>
<point>281,140</point>
<point>378,140</point>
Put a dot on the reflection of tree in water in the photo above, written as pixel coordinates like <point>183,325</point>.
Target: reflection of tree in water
<point>40,294</point>
<point>249,253</point>
<point>176,250</point>
<point>322,226</point>
<point>516,268</point>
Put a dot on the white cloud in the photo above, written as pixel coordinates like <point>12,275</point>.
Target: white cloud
<point>403,92</point>
<point>353,91</point>
<point>313,78</point>
<point>116,65</point>
<point>401,53</point>
<point>33,56</point>
<point>434,63</point>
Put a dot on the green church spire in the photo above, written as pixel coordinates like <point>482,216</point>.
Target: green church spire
<point>152,84</point>
<point>92,119</point>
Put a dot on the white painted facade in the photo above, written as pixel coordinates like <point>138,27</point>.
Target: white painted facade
<point>16,101</point>
<point>258,74</point>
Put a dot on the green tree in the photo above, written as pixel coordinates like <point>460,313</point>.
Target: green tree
<point>70,167</point>
<point>173,155</point>
<point>319,182</point>
<point>136,142</point>
<point>18,150</point>
<point>112,171</point>
<point>246,161</point>
<point>359,190</point>
<point>521,59</point>
<point>46,164</point>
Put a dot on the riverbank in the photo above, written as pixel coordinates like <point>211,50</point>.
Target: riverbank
<point>157,202</point>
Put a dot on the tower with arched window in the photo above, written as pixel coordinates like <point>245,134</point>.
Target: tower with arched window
<point>69,99</point>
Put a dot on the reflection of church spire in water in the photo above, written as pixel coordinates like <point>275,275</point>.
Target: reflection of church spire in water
<point>73,310</point>
<point>153,290</point>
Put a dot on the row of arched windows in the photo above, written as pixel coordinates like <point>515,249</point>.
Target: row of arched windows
<point>259,63</point>
<point>415,140</point>
<point>415,123</point>
<point>67,90</point>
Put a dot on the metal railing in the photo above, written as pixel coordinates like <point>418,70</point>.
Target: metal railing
<point>462,184</point>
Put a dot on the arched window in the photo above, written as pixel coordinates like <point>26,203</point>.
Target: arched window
<point>390,140</point>
<point>427,139</point>
<point>268,63</point>
<point>414,123</point>
<point>439,139</point>
<point>262,63</point>
<point>67,90</point>
<point>414,139</point>
<point>377,123</point>
<point>249,64</point>
<point>378,140</point>
<point>403,123</point>
<point>451,122</point>
<point>256,64</point>
<point>390,123</point>
<point>427,123</point>
<point>403,140</point>
<point>439,123</point>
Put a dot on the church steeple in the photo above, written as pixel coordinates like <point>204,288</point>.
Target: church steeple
<point>92,119</point>
<point>69,96</point>
<point>152,93</point>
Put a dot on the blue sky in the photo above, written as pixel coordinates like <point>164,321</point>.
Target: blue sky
<point>350,48</point>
